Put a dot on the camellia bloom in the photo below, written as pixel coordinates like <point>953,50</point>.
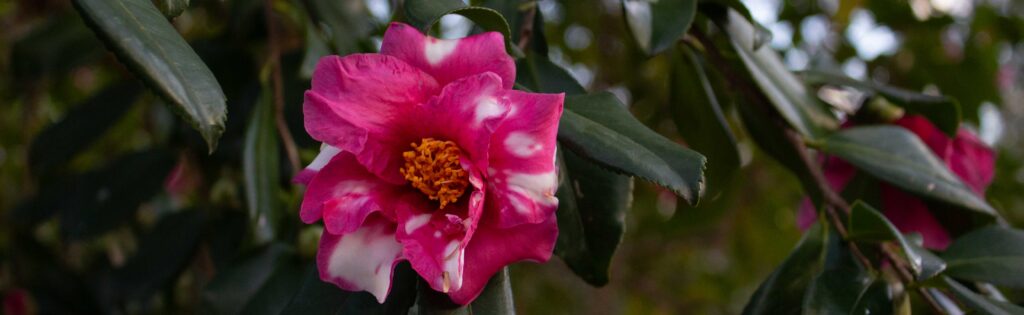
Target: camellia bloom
<point>429,156</point>
<point>965,155</point>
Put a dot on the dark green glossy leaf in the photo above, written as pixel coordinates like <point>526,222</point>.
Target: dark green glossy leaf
<point>234,286</point>
<point>539,74</point>
<point>592,205</point>
<point>171,8</point>
<point>897,156</point>
<point>276,292</point>
<point>105,198</point>
<point>783,291</point>
<point>793,100</point>
<point>699,119</point>
<point>164,252</point>
<point>423,14</point>
<point>658,25</point>
<point>981,304</point>
<point>875,300</point>
<point>144,40</point>
<point>840,282</point>
<point>315,49</point>
<point>867,224</point>
<point>598,127</point>
<point>721,6</point>
<point>341,23</point>
<point>260,168</point>
<point>80,127</point>
<point>992,254</point>
<point>942,111</point>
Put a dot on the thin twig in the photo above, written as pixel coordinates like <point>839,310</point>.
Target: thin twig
<point>526,28</point>
<point>831,198</point>
<point>275,63</point>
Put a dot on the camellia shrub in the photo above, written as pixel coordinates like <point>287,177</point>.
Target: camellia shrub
<point>484,157</point>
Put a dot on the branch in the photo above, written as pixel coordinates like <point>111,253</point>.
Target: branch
<point>275,63</point>
<point>526,28</point>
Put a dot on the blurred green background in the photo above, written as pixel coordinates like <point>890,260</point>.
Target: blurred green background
<point>674,258</point>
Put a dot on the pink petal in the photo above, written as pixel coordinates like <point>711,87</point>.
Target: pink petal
<point>493,248</point>
<point>448,60</point>
<point>356,101</point>
<point>435,240</point>
<point>909,214</point>
<point>327,152</point>
<point>362,260</point>
<point>523,175</point>
<point>972,160</point>
<point>928,133</point>
<point>344,193</point>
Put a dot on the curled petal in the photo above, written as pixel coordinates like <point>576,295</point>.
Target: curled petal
<point>327,152</point>
<point>448,60</point>
<point>522,172</point>
<point>344,194</point>
<point>362,260</point>
<point>972,160</point>
<point>435,240</point>
<point>355,102</point>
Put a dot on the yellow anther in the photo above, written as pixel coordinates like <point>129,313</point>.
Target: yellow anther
<point>433,167</point>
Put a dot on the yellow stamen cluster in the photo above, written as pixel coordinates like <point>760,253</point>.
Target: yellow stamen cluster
<point>433,167</point>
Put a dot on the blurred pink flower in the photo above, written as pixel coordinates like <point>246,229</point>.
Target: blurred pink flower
<point>965,155</point>
<point>429,156</point>
<point>18,302</point>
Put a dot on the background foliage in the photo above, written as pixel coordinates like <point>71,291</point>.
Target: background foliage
<point>150,176</point>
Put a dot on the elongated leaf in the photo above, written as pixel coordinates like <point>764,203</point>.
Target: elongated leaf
<point>592,205</point>
<point>868,224</point>
<point>992,254</point>
<point>164,252</point>
<point>105,198</point>
<point>897,156</point>
<point>80,127</point>
<point>234,286</point>
<point>658,25</point>
<point>875,300</point>
<point>783,291</point>
<point>599,128</point>
<point>143,39</point>
<point>699,119</point>
<point>539,74</point>
<point>979,303</point>
<point>787,93</point>
<point>171,8</point>
<point>260,166</point>
<point>840,284</point>
<point>423,14</point>
<point>943,111</point>
<point>724,5</point>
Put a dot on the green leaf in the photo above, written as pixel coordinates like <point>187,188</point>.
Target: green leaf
<point>599,128</point>
<point>721,6</point>
<point>423,14</point>
<point>793,100</point>
<point>943,111</point>
<point>105,198</point>
<point>163,253</point>
<point>841,283</point>
<point>234,286</point>
<point>171,8</point>
<point>867,224</point>
<point>993,254</point>
<point>875,300</point>
<point>80,127</point>
<point>658,24</point>
<point>783,291</point>
<point>699,119</point>
<point>275,294</point>
<point>145,41</point>
<point>897,156</point>
<point>592,205</point>
<point>539,74</point>
<point>341,23</point>
<point>315,49</point>
<point>260,169</point>
<point>979,303</point>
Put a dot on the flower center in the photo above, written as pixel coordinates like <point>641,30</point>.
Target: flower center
<point>433,167</point>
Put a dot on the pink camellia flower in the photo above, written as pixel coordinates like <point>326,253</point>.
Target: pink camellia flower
<point>965,155</point>
<point>429,157</point>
